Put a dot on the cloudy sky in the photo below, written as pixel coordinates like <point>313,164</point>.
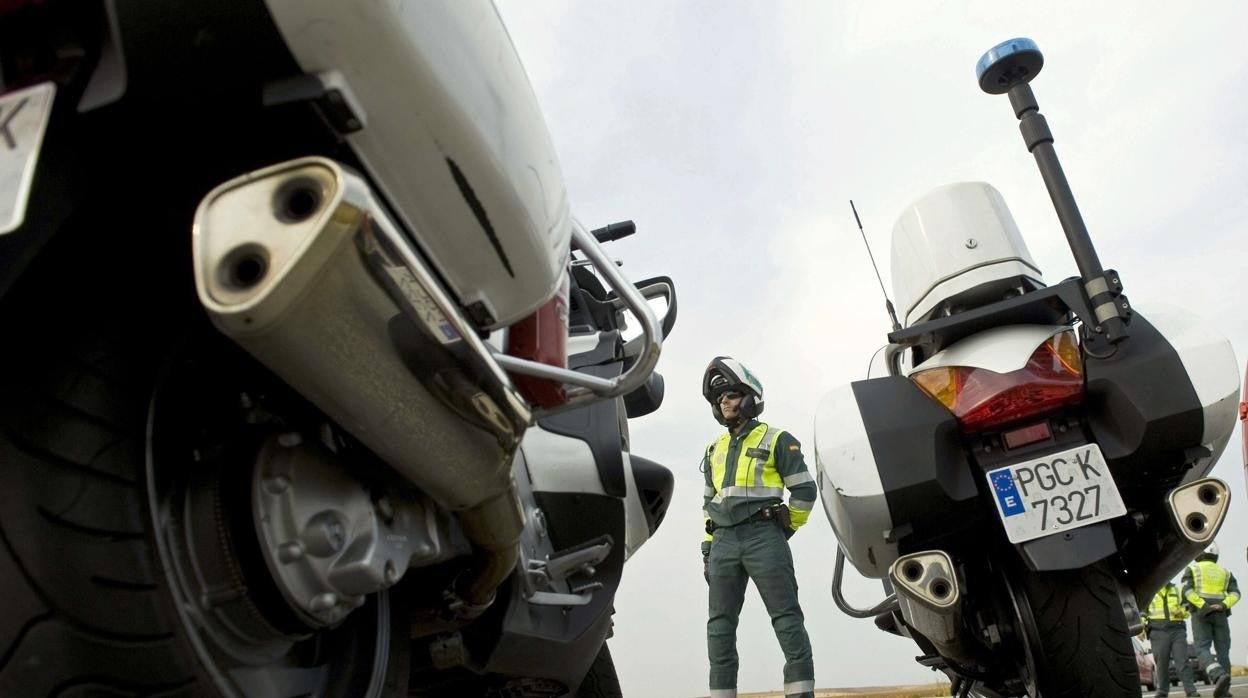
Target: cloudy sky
<point>734,133</point>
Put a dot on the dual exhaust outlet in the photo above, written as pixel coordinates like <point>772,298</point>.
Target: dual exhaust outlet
<point>305,268</point>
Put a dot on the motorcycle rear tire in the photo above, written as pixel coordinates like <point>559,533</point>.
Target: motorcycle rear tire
<point>601,681</point>
<point>86,607</point>
<point>1077,640</point>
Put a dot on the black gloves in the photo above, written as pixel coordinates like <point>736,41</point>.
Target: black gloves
<point>706,568</point>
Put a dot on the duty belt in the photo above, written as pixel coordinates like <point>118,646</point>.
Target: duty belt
<point>767,513</point>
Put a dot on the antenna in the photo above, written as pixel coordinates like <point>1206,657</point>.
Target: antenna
<point>888,305</point>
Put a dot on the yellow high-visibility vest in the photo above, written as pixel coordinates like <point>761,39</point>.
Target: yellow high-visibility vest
<point>1166,604</point>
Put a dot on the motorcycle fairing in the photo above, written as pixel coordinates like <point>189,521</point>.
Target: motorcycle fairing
<point>891,466</point>
<point>453,136</point>
<point>1162,407</point>
<point>598,425</point>
<point>551,641</point>
<point>1212,371</point>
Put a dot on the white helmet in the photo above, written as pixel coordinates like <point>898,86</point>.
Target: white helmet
<point>726,373</point>
<point>1211,551</point>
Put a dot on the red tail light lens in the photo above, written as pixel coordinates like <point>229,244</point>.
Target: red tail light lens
<point>543,337</point>
<point>983,399</point>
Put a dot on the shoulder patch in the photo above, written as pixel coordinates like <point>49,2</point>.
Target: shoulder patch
<point>794,447</point>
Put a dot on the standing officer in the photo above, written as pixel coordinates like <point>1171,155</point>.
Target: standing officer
<point>748,527</point>
<point>1211,590</point>
<point>1168,634</point>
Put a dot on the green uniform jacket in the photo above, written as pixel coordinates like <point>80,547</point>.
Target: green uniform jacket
<point>749,470</point>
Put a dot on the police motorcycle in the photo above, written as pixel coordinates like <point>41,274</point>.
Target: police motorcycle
<point>1031,465</point>
<point>291,402</point>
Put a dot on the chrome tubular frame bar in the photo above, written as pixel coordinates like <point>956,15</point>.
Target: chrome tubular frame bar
<point>587,389</point>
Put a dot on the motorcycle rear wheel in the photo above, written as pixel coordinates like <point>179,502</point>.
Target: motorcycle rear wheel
<point>1075,640</point>
<point>601,681</point>
<point>91,603</point>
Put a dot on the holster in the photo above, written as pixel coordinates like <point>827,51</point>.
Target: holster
<point>780,514</point>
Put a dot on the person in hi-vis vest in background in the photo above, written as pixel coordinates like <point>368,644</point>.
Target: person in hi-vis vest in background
<point>1211,590</point>
<point>1167,632</point>
<point>748,526</point>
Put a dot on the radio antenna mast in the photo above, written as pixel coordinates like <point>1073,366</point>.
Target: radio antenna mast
<point>888,305</point>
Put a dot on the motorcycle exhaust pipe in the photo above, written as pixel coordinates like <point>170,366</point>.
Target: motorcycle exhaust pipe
<point>301,266</point>
<point>930,598</point>
<point>1196,512</point>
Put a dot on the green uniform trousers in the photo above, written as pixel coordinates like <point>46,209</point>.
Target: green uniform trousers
<point>757,551</point>
<point>1211,633</point>
<point>1169,640</point>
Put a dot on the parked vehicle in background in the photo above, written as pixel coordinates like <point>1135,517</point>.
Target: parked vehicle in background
<point>1144,662</point>
<point>1193,661</point>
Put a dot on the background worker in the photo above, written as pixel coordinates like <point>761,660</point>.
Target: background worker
<point>1167,632</point>
<point>748,527</point>
<point>1211,590</point>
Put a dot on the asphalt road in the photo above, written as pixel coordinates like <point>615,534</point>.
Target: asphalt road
<point>1239,689</point>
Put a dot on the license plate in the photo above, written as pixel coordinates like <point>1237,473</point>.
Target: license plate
<point>1058,492</point>
<point>23,119</point>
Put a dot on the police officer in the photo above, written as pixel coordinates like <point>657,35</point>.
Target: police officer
<point>1167,632</point>
<point>1211,590</point>
<point>748,527</point>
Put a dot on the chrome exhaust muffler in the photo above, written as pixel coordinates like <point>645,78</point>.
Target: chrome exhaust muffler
<point>300,265</point>
<point>930,598</point>
<point>1196,512</point>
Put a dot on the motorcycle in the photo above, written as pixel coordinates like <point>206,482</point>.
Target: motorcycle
<point>1032,467</point>
<point>312,384</point>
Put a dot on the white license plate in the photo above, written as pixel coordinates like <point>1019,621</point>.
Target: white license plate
<point>1058,492</point>
<point>23,119</point>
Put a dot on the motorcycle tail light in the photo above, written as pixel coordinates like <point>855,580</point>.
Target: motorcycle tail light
<point>542,337</point>
<point>981,399</point>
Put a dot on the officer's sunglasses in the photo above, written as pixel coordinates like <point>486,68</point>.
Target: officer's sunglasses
<point>731,395</point>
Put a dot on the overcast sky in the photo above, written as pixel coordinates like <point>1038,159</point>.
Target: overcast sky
<point>734,133</point>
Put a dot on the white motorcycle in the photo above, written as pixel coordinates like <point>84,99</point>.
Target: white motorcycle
<point>291,405</point>
<point>1032,466</point>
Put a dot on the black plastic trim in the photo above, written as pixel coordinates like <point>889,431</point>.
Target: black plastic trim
<point>1143,411</point>
<point>550,641</point>
<point>1071,550</point>
<point>1047,306</point>
<point>928,483</point>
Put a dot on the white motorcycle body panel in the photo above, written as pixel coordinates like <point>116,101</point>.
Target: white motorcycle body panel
<point>849,484</point>
<point>1000,349</point>
<point>452,135</point>
<point>953,239</point>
